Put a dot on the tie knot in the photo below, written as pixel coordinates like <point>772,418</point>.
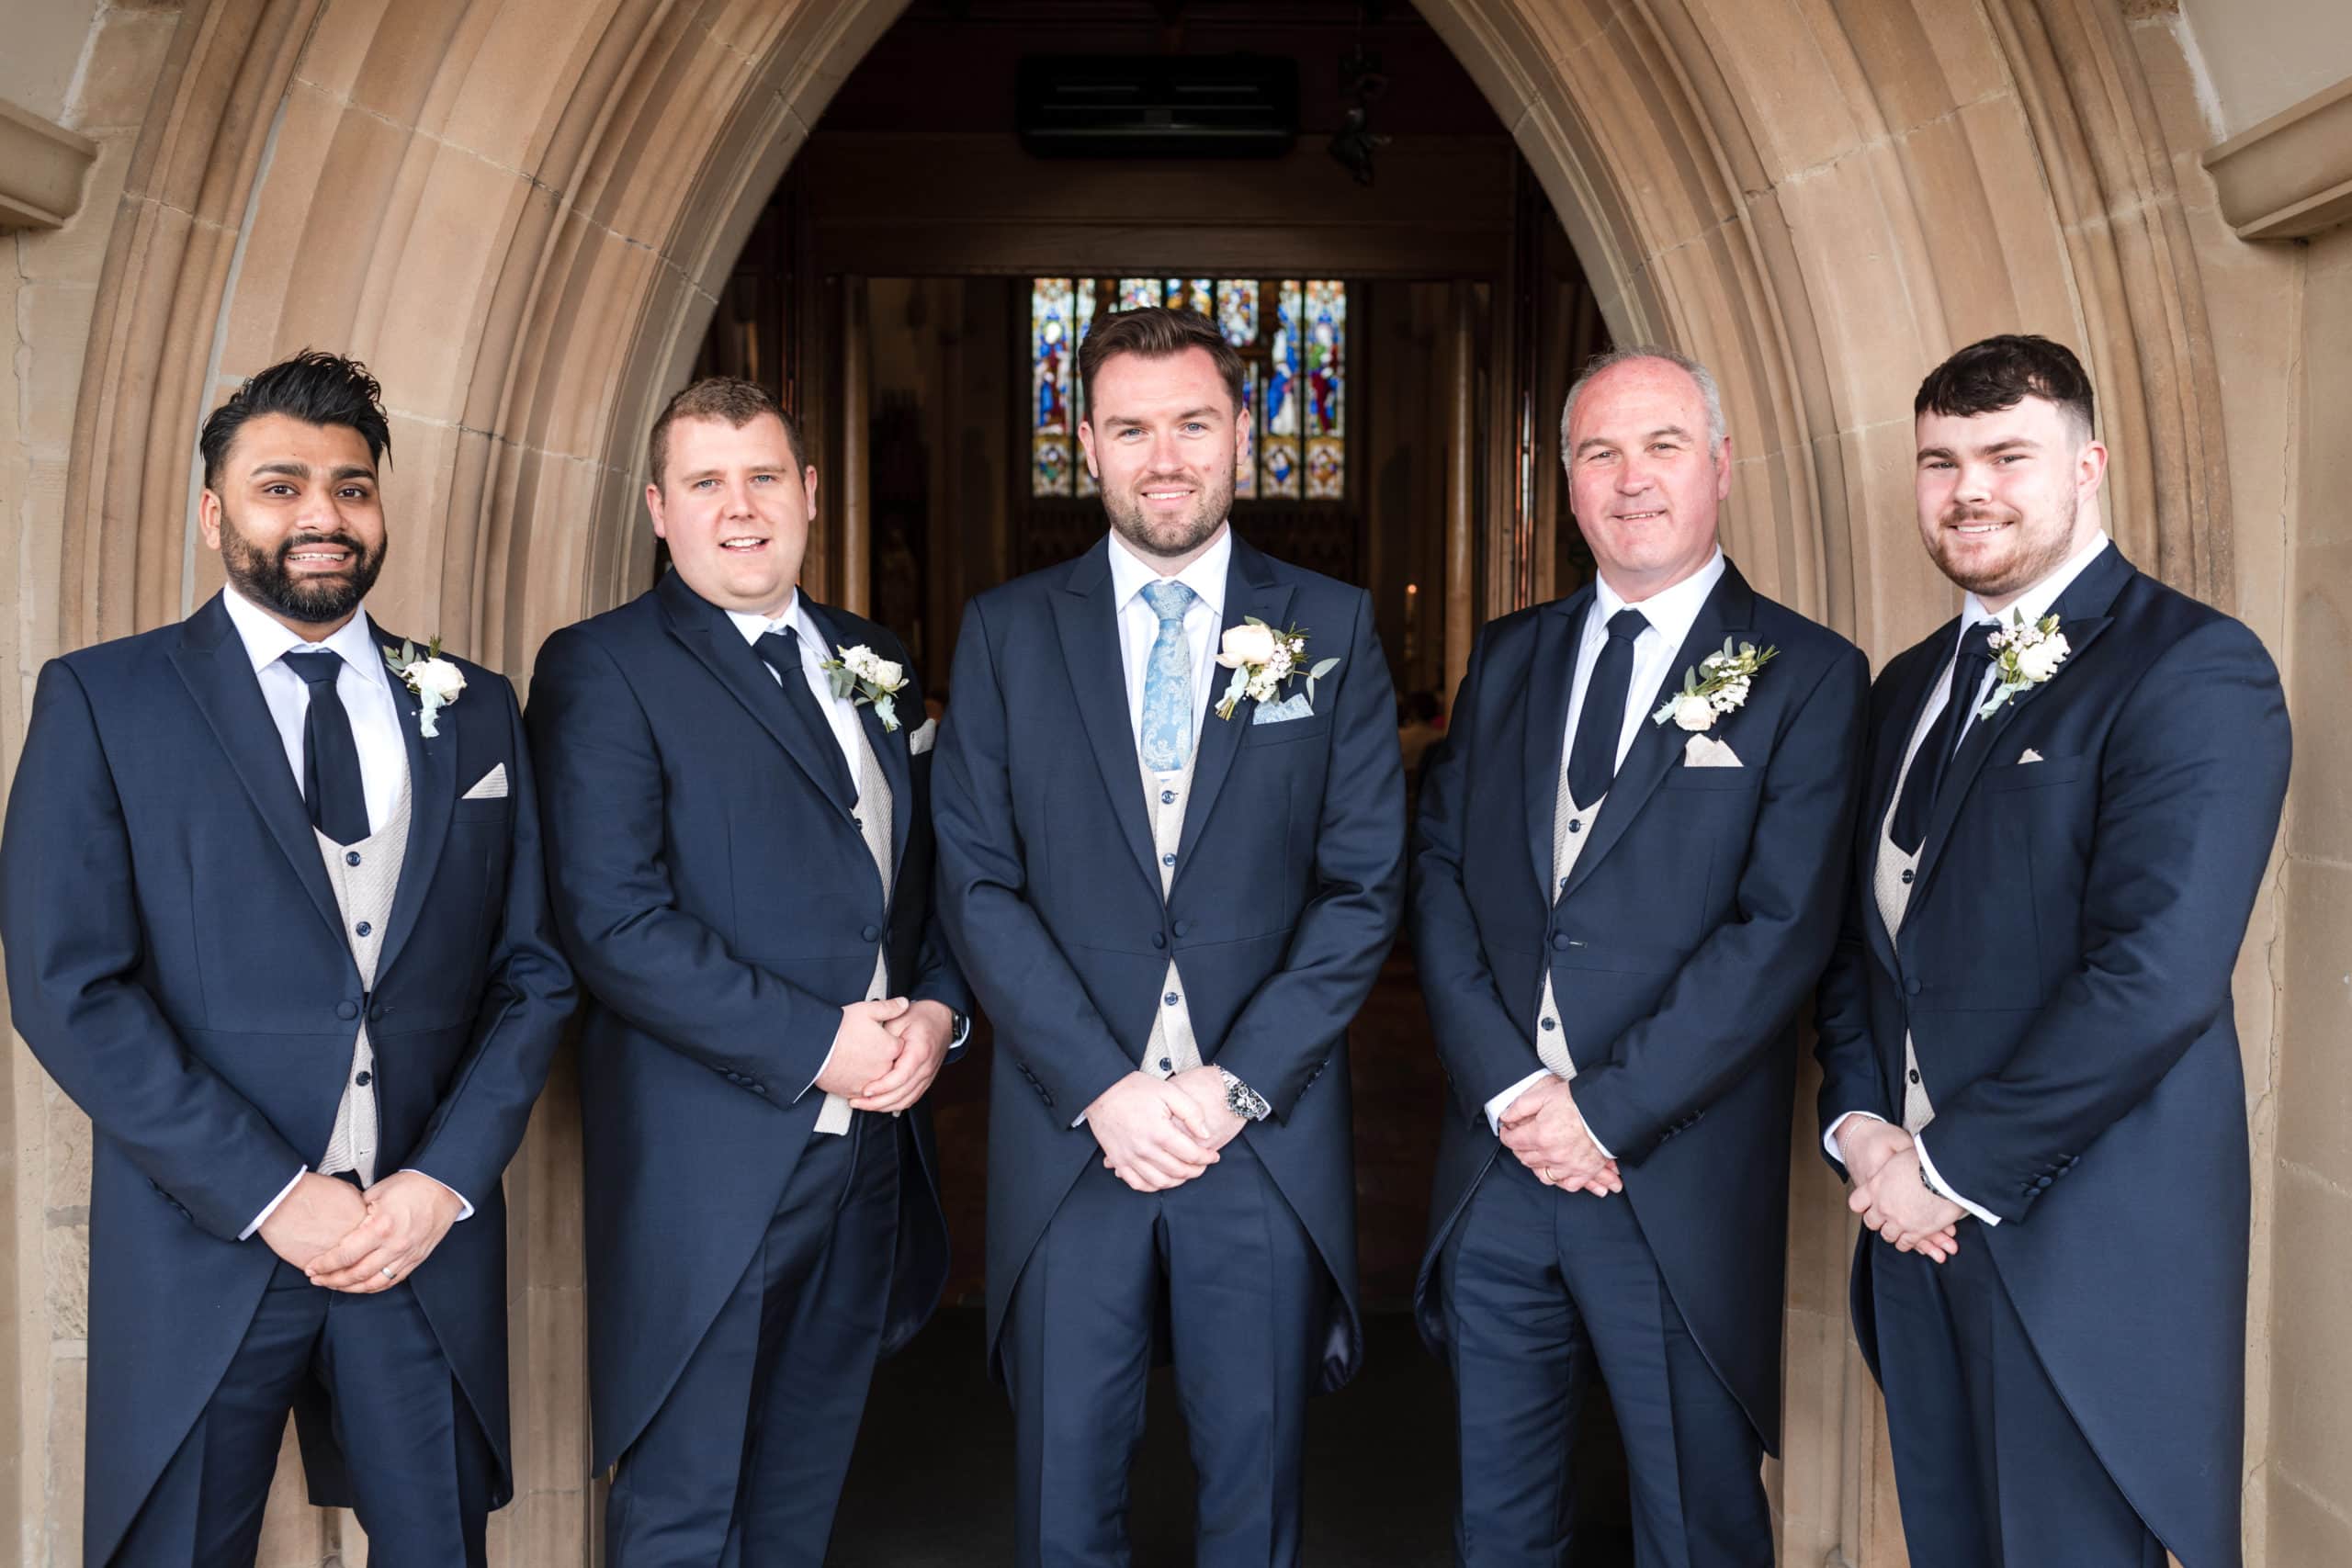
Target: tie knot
<point>1976,642</point>
<point>1168,599</point>
<point>319,668</point>
<point>1627,624</point>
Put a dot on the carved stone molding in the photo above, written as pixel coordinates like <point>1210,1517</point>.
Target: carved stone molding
<point>43,166</point>
<point>2291,175</point>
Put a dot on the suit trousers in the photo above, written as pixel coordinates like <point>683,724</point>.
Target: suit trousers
<point>1537,1286</point>
<point>1224,1263</point>
<point>1990,1470</point>
<point>419,1465</point>
<point>742,1465</point>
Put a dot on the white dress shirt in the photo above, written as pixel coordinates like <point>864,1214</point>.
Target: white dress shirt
<point>841,714</point>
<point>1140,623</point>
<point>2033,604</point>
<point>365,685</point>
<point>1670,612</point>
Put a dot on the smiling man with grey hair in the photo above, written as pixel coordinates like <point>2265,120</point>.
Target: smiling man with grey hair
<point>1679,755</point>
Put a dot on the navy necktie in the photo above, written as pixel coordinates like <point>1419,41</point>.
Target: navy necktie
<point>1935,754</point>
<point>1592,760</point>
<point>781,652</point>
<point>330,781</point>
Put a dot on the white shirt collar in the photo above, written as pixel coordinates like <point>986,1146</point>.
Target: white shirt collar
<point>2035,601</point>
<point>268,639</point>
<point>1670,610</point>
<point>795,614</point>
<point>1206,577</point>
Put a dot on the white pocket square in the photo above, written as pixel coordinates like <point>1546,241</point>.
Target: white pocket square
<point>1296,706</point>
<point>1706,752</point>
<point>492,785</point>
<point>923,738</point>
<point>2030,756</point>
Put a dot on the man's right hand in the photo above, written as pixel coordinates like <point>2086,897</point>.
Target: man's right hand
<point>863,1049</point>
<point>319,1213</point>
<point>1867,1143</point>
<point>1153,1136</point>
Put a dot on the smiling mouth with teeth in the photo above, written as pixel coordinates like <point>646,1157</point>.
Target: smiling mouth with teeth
<point>742,544</point>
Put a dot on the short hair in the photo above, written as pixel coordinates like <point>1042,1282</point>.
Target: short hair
<point>314,387</point>
<point>1156,332</point>
<point>1718,431</point>
<point>724,400</point>
<point>2002,372</point>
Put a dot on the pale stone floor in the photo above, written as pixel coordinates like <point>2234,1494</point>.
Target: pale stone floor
<point>1380,1462</point>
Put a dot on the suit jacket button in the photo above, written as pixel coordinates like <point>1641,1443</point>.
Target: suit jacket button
<point>1159,940</point>
<point>759,1089</point>
<point>378,1011</point>
<point>1559,942</point>
<point>1183,927</point>
<point>347,1009</point>
<point>870,933</point>
<point>2041,1181</point>
<point>1911,985</point>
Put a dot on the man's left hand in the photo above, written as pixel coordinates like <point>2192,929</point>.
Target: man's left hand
<point>1205,1087</point>
<point>923,1032</point>
<point>1902,1208</point>
<point>408,1214</point>
<point>1545,1129</point>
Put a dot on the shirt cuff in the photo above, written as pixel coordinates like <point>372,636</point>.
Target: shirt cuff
<point>283,1193</point>
<point>1503,1103</point>
<point>1829,1136</point>
<point>465,1209</point>
<point>1936,1183</point>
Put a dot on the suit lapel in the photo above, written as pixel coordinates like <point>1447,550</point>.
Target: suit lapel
<point>1086,618</point>
<point>212,661</point>
<point>890,750</point>
<point>1920,685</point>
<point>433,797</point>
<point>2082,616</point>
<point>1551,679</point>
<point>1251,589</point>
<point>1727,613</point>
<point>698,625</point>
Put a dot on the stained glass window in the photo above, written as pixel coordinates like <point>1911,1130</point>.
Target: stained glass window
<point>1293,334</point>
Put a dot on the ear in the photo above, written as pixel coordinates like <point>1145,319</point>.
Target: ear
<point>809,487</point>
<point>208,518</point>
<point>1086,449</point>
<point>1722,471</point>
<point>653,507</point>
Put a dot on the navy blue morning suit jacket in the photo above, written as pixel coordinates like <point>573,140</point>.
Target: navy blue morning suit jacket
<point>1287,892</point>
<point>711,884</point>
<point>1692,930</point>
<point>2063,969</point>
<point>176,961</point>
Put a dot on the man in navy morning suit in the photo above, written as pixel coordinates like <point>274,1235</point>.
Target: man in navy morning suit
<point>1171,917</point>
<point>736,784</point>
<point>2030,1065</point>
<point>275,919</point>
<point>1627,881</point>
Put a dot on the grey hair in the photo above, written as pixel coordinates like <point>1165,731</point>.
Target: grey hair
<point>1717,431</point>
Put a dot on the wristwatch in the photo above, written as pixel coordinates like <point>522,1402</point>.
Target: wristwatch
<point>1243,1101</point>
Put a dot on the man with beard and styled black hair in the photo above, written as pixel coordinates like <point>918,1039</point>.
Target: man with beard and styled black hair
<point>2030,1069</point>
<point>1172,911</point>
<point>275,919</point>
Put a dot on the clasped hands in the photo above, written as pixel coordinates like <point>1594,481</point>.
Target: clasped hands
<point>1545,1131</point>
<point>1889,1194</point>
<point>357,1242</point>
<point>885,1052</point>
<point>1160,1133</point>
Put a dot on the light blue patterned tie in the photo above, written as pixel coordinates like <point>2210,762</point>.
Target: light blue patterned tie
<point>1168,681</point>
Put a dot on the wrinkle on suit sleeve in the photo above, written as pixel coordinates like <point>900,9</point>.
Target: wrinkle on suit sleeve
<point>70,915</point>
<point>667,973</point>
<point>2190,788</point>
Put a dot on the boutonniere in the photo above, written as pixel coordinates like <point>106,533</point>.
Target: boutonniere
<point>1261,658</point>
<point>863,676</point>
<point>435,681</point>
<point>2028,655</point>
<point>1716,688</point>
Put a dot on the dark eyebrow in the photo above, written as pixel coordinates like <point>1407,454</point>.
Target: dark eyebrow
<point>353,471</point>
<point>294,470</point>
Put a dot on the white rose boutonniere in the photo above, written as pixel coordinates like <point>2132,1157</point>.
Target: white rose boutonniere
<point>1261,658</point>
<point>863,676</point>
<point>2025,656</point>
<point>435,681</point>
<point>1717,687</point>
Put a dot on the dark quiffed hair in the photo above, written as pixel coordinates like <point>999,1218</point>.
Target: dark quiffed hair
<point>2001,372</point>
<point>1156,333</point>
<point>724,400</point>
<point>314,387</point>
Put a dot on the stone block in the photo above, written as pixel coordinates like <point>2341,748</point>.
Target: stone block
<point>119,74</point>
<point>2311,1429</point>
<point>2314,1096</point>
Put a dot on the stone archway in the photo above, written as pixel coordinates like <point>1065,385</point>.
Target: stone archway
<point>517,211</point>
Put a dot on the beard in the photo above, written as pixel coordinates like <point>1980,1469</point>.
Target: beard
<point>1172,537</point>
<point>260,574</point>
<point>2043,536</point>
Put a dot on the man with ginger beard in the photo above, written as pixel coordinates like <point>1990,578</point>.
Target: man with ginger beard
<point>275,919</point>
<point>1170,910</point>
<point>735,780</point>
<point>2029,1067</point>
